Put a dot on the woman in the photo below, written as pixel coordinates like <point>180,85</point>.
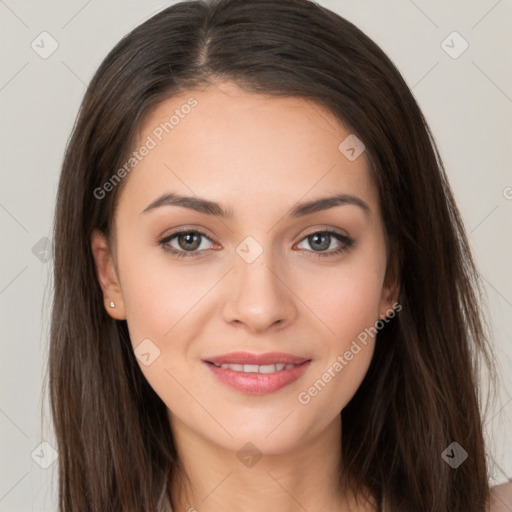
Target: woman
<point>264,295</point>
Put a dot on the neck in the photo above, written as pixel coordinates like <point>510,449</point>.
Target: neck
<point>307,478</point>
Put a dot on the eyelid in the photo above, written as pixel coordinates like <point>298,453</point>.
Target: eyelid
<point>323,228</point>
<point>185,229</point>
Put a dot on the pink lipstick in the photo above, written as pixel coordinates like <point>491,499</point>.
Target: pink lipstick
<point>257,374</point>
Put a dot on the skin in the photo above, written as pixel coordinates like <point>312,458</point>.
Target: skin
<point>258,156</point>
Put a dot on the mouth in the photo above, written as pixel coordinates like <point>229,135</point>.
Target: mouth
<point>263,359</point>
<point>254,368</point>
<point>273,372</point>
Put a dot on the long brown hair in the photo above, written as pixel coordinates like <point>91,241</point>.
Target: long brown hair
<point>421,392</point>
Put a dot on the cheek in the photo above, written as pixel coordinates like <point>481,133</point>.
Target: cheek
<point>162,304</point>
<point>346,299</point>
<point>349,313</point>
<point>159,293</point>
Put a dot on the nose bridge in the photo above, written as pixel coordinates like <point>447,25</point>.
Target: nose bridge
<point>259,297</point>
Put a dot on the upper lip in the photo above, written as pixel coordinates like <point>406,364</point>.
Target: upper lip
<point>258,359</point>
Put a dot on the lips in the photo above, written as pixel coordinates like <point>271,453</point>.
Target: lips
<point>256,359</point>
<point>257,374</point>
<point>257,380</point>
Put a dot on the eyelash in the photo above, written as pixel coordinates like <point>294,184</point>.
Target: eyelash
<point>346,242</point>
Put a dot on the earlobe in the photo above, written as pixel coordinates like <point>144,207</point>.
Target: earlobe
<point>390,294</point>
<point>388,308</point>
<point>107,276</point>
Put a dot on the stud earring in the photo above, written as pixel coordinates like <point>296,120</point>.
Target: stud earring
<point>112,304</point>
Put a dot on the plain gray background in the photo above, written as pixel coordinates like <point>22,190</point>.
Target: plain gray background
<point>466,98</point>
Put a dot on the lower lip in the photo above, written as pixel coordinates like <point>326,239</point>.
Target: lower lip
<point>258,383</point>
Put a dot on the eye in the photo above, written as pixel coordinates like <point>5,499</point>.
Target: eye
<point>322,241</point>
<point>187,243</point>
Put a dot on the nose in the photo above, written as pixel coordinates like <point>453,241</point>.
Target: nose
<point>258,296</point>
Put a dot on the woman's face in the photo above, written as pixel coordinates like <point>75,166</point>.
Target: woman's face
<point>258,280</point>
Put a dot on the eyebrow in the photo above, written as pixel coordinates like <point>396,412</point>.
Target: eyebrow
<point>212,208</point>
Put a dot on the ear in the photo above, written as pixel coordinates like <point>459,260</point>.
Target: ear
<point>107,276</point>
<point>390,291</point>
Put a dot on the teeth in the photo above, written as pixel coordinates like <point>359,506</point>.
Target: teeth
<point>251,368</point>
<point>254,368</point>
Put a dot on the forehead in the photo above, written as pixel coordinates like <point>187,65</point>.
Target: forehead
<point>230,145</point>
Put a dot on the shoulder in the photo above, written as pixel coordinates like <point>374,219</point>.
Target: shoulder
<point>501,497</point>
